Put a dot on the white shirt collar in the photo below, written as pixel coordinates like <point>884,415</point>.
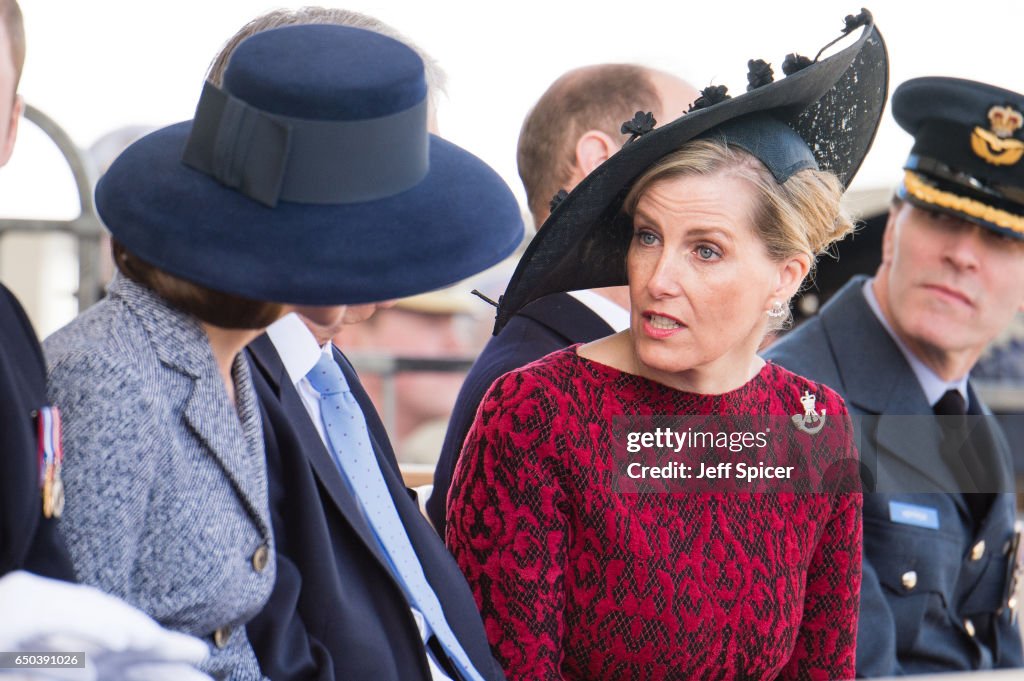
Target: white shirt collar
<point>612,313</point>
<point>296,346</point>
<point>933,386</point>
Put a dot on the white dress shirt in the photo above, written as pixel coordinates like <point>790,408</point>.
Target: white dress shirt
<point>299,353</point>
<point>611,312</point>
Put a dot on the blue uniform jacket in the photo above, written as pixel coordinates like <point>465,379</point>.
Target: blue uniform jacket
<point>934,595</point>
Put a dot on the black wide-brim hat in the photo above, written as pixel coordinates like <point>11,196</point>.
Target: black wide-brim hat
<point>310,178</point>
<point>968,154</point>
<point>833,105</point>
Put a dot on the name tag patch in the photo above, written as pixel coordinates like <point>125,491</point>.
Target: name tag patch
<point>912,514</point>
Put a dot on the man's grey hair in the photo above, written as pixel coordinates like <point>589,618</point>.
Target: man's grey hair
<point>435,76</point>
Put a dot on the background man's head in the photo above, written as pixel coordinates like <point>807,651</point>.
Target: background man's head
<point>327,322</point>
<point>12,60</point>
<point>575,125</point>
<point>433,73</point>
<point>952,272</point>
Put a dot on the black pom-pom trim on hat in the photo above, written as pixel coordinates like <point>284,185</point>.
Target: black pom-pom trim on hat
<point>557,199</point>
<point>852,21</point>
<point>795,62</point>
<point>709,96</point>
<point>641,124</point>
<point>759,73</point>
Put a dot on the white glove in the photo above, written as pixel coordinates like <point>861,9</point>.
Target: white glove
<point>121,643</point>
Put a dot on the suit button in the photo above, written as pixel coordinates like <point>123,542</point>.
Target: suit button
<point>909,580</point>
<point>978,550</point>
<point>969,627</point>
<point>221,636</point>
<point>260,558</point>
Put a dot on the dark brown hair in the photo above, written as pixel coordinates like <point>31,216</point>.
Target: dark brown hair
<point>596,97</point>
<point>224,310</point>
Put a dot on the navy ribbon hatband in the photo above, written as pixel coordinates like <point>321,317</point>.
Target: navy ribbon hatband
<point>272,158</point>
<point>780,148</point>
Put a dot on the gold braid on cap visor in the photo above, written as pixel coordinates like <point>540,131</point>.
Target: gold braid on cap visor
<point>922,191</point>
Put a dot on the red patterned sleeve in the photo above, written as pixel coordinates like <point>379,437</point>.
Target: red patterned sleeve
<point>508,525</point>
<point>827,642</point>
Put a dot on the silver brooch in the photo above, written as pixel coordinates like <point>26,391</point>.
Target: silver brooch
<point>810,421</point>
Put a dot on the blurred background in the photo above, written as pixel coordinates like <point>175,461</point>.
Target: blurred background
<point>108,70</point>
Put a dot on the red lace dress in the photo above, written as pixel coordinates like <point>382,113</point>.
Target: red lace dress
<point>578,581</point>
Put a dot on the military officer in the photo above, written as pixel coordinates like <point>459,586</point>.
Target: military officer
<point>939,541</point>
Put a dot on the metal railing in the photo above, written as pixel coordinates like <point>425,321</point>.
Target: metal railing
<point>86,227</point>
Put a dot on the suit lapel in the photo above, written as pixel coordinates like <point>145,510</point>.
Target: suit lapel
<point>320,460</point>
<point>441,570</point>
<point>991,441</point>
<point>878,382</point>
<point>378,434</point>
<point>567,317</point>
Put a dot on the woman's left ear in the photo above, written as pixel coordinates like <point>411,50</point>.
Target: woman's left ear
<point>791,274</point>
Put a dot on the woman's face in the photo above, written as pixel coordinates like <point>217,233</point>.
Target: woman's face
<point>700,279</point>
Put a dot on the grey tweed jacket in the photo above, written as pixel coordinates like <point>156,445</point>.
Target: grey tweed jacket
<point>166,485</point>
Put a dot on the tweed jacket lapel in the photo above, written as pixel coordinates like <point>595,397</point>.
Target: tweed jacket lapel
<point>234,438</point>
<point>879,383</point>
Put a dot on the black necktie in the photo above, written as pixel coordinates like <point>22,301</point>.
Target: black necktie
<point>960,452</point>
<point>951,404</point>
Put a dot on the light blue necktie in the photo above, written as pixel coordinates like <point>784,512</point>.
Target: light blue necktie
<point>346,431</point>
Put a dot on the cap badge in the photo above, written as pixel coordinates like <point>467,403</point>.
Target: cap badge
<point>998,146</point>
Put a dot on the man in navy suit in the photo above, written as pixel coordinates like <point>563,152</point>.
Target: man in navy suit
<point>333,573</point>
<point>344,606</point>
<point>578,118</point>
<point>939,543</point>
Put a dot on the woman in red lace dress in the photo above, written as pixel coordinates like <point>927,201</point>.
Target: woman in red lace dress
<point>724,212</point>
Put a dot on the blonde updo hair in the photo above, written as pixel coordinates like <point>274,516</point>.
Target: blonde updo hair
<point>802,215</point>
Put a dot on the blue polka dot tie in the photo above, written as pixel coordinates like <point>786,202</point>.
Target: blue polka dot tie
<point>346,431</point>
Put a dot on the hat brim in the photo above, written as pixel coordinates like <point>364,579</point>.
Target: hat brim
<point>461,219</point>
<point>834,104</point>
<point>958,200</point>
<point>944,174</point>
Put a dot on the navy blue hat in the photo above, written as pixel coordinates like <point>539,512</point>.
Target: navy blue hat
<point>823,114</point>
<point>311,179</point>
<point>968,149</point>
